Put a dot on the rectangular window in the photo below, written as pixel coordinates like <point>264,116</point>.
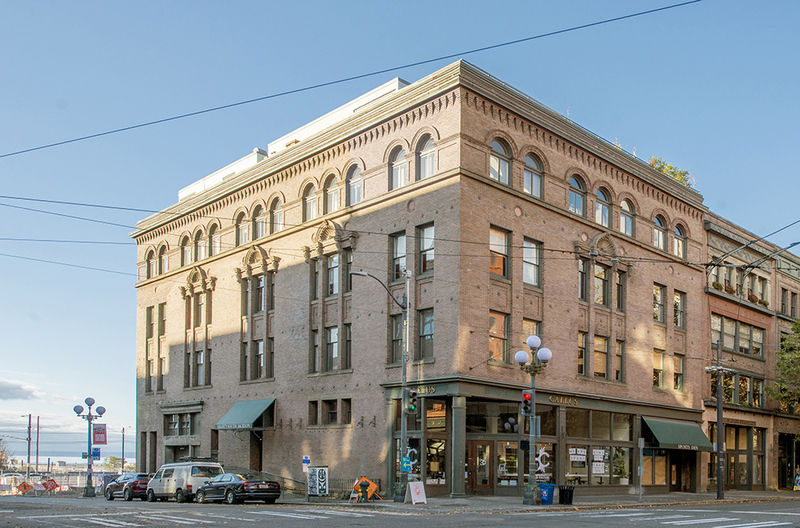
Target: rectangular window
<point>313,353</point>
<point>396,348</point>
<point>793,306</point>
<point>258,294</point>
<point>658,368</point>
<point>258,359</point>
<point>271,291</point>
<point>784,300</point>
<point>425,327</point>
<point>398,243</point>
<point>270,364</point>
<point>529,328</point>
<point>583,280</point>
<point>716,330</point>
<point>621,277</point>
<point>531,262</point>
<point>679,366</point>
<point>331,347</point>
<point>425,260</point>
<point>313,413</point>
<point>199,368</point>
<point>619,364</point>
<point>758,392</point>
<point>314,286</point>
<point>347,353</point>
<point>498,252</point>
<point>243,362</point>
<point>498,336</point>
<point>346,411</point>
<point>162,319</point>
<point>659,293</point>
<point>330,412</point>
<point>743,392</point>
<point>199,308</point>
<point>758,341</point>
<point>600,285</point>
<point>744,338</point>
<point>149,322</point>
<point>600,357</point>
<point>582,353</point>
<point>347,262</point>
<point>679,309</point>
<point>729,333</point>
<point>332,275</point>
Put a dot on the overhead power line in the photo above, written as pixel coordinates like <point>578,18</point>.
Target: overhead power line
<point>351,78</point>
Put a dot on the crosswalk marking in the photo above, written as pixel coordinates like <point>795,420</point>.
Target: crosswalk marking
<point>771,512</point>
<point>292,515</point>
<point>662,518</point>
<point>109,522</point>
<point>344,513</point>
<point>701,521</point>
<point>634,514</point>
<point>179,520</point>
<point>226,517</point>
<point>763,524</point>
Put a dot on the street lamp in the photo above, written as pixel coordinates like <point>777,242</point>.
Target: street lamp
<point>533,363</point>
<point>89,417</point>
<point>400,493</point>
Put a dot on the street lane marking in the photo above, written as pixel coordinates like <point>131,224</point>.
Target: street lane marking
<point>608,515</point>
<point>701,521</point>
<point>226,517</point>
<point>344,513</point>
<point>292,515</point>
<point>662,518</point>
<point>771,512</point>
<point>764,524</point>
<point>179,520</point>
<point>108,522</point>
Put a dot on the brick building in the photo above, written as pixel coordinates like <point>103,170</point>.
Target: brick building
<point>256,346</point>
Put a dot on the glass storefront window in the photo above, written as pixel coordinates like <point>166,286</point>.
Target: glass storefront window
<point>655,467</point>
<point>621,465</point>
<point>601,467</point>
<point>547,420</point>
<point>577,464</point>
<point>544,461</point>
<point>476,417</point>
<point>414,454</point>
<point>601,425</point>
<point>758,471</point>
<point>578,423</point>
<point>507,463</point>
<point>730,436</point>
<point>435,415</point>
<point>622,427</point>
<point>758,439</point>
<point>435,462</point>
<point>507,416</point>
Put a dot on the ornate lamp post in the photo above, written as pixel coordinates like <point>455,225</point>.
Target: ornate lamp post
<point>533,363</point>
<point>88,491</point>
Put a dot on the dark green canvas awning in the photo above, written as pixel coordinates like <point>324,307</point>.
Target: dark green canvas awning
<point>244,413</point>
<point>678,435</point>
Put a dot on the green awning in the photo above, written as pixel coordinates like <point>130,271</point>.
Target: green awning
<point>244,413</point>
<point>678,435</point>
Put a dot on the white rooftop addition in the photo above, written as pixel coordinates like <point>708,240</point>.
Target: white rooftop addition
<point>217,177</point>
<point>341,113</point>
<point>296,136</point>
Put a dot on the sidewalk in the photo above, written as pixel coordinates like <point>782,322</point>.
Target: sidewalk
<point>487,504</point>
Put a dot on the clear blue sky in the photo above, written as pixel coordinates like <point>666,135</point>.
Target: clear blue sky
<point>711,87</point>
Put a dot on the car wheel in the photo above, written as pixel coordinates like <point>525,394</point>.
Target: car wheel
<point>127,495</point>
<point>109,494</point>
<point>230,497</point>
<point>200,497</point>
<point>151,496</point>
<point>180,496</point>
<point>269,501</point>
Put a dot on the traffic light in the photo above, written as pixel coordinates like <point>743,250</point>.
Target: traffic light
<point>412,405</point>
<point>527,403</point>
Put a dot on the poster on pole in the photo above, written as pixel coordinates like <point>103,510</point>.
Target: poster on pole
<point>318,481</point>
<point>99,436</point>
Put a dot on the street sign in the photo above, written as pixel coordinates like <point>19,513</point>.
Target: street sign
<point>306,463</point>
<point>405,464</point>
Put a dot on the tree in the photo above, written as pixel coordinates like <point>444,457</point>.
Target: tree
<point>5,454</point>
<point>786,388</point>
<point>111,463</point>
<point>681,176</point>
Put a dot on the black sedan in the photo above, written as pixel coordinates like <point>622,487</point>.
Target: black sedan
<point>128,486</point>
<point>235,488</point>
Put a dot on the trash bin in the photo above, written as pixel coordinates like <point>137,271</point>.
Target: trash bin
<point>565,494</point>
<point>547,491</point>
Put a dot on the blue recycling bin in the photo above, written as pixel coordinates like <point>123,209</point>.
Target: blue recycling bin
<point>547,491</point>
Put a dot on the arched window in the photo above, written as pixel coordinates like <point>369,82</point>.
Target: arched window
<point>500,163</point>
<point>276,216</point>
<point>163,260</point>
<point>532,176</point>
<point>186,251</point>
<point>150,264</point>
<point>259,223</point>
<point>602,208</point>
<point>241,229</point>
<point>331,195</point>
<point>679,247</point>
<point>397,168</point>
<point>199,246</point>
<point>355,185</point>
<point>426,158</point>
<point>214,241</point>
<point>659,232</point>
<point>626,216</point>
<point>577,196</point>
<point>310,203</point>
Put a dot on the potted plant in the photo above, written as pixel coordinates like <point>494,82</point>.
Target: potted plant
<point>764,303</point>
<point>730,289</point>
<point>620,466</point>
<point>753,298</point>
<point>716,285</point>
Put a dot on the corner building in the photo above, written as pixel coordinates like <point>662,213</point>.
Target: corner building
<point>257,347</point>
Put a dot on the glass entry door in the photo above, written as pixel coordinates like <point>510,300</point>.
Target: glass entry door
<point>479,472</point>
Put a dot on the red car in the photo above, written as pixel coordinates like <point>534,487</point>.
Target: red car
<point>128,486</point>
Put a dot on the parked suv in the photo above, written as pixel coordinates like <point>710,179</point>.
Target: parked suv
<point>181,480</point>
<point>128,486</point>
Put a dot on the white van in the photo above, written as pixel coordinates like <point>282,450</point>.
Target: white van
<point>180,480</point>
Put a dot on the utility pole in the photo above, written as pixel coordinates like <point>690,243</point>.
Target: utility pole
<point>37,444</point>
<point>720,425</point>
<point>28,471</point>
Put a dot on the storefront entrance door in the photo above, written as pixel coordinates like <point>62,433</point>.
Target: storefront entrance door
<point>479,472</point>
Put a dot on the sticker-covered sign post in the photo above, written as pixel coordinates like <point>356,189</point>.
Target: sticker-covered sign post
<point>318,481</point>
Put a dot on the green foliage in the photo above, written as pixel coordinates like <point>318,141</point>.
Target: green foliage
<point>4,455</point>
<point>681,176</point>
<point>111,463</point>
<point>786,388</point>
